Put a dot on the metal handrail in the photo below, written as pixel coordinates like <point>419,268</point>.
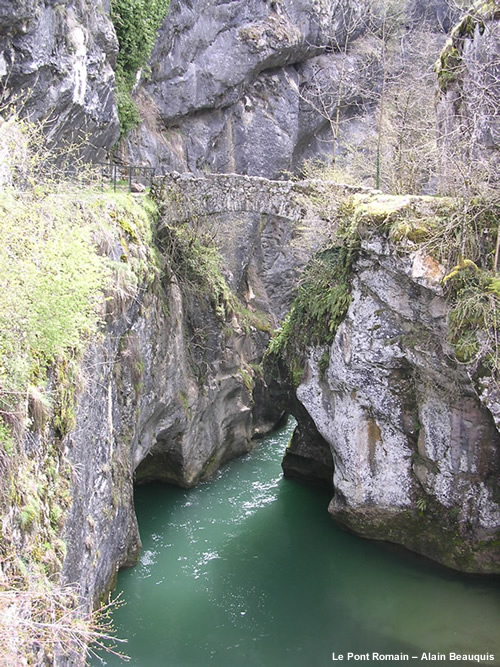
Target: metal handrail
<point>113,172</point>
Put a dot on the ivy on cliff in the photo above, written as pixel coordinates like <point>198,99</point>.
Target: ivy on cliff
<point>321,303</point>
<point>136,23</point>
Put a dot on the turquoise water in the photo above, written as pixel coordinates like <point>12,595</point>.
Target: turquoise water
<point>250,570</point>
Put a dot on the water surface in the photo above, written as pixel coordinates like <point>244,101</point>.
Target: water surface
<point>250,570</point>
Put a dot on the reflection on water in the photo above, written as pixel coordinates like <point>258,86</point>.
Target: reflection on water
<point>249,569</point>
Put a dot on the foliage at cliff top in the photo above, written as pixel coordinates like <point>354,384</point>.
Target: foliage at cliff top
<point>461,235</point>
<point>70,257</point>
<point>136,23</point>
<point>53,270</point>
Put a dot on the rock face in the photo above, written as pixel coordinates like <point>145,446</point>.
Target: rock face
<point>252,87</point>
<point>230,82</point>
<point>231,87</point>
<point>416,452</point>
<point>224,89</point>
<point>56,65</point>
<point>168,396</point>
<point>469,79</point>
<point>172,391</point>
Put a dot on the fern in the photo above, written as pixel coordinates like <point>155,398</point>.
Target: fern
<point>322,301</point>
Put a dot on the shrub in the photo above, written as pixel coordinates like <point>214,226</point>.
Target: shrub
<point>54,270</point>
<point>39,619</point>
<point>50,282</point>
<point>197,263</point>
<point>136,23</point>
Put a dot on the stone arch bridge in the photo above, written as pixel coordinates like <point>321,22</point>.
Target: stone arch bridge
<point>187,196</point>
<point>266,230</point>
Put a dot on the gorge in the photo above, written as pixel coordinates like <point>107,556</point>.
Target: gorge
<point>253,562</point>
<point>245,289</point>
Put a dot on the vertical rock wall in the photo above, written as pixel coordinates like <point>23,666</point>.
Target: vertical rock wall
<point>56,65</point>
<point>415,448</point>
<point>224,89</point>
<point>253,87</point>
<point>469,82</point>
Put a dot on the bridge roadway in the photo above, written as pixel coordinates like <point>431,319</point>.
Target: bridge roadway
<point>188,196</point>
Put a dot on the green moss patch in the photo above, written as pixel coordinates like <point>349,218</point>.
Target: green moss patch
<point>55,266</point>
<point>320,306</point>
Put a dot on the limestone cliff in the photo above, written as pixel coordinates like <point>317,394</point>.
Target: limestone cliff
<point>411,431</point>
<point>166,401</point>
<point>234,86</point>
<point>247,87</point>
<point>173,388</point>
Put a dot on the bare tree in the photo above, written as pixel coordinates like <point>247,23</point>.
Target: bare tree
<point>386,79</point>
<point>386,19</point>
<point>326,89</point>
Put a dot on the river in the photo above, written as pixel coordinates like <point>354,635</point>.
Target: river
<point>250,570</point>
